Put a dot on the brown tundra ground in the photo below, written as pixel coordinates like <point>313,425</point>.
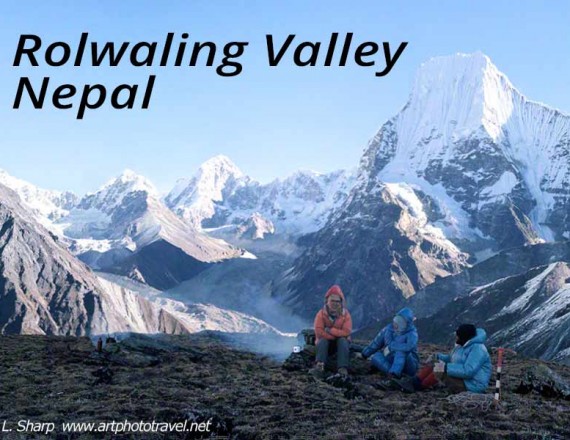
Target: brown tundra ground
<point>246,396</point>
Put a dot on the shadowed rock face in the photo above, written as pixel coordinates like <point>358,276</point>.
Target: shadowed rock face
<point>44,289</point>
<point>160,264</point>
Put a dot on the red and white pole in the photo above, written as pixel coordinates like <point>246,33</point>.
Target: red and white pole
<point>499,369</point>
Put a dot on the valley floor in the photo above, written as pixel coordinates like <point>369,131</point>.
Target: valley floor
<point>247,396</point>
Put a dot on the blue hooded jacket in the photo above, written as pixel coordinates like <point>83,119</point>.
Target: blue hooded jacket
<point>406,341</point>
<point>470,362</point>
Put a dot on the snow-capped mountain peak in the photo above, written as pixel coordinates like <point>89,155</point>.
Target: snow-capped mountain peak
<point>112,193</point>
<point>213,176</point>
<point>468,136</point>
<point>102,214</point>
<point>194,198</point>
<point>220,165</point>
<point>459,94</point>
<point>129,181</point>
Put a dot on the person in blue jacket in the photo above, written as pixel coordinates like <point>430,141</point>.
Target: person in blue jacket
<point>395,349</point>
<point>466,368</point>
<point>470,360</point>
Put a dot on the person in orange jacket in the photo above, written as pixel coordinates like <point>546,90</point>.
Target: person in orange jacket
<point>333,326</point>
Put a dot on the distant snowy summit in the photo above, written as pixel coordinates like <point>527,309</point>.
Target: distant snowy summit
<point>220,195</point>
<point>195,199</point>
<point>125,228</point>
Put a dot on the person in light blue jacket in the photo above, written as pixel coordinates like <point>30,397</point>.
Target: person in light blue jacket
<point>469,360</point>
<point>395,349</point>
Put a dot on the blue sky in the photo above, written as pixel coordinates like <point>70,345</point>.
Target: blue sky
<point>269,121</point>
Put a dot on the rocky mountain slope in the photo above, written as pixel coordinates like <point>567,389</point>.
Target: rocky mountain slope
<point>533,276</point>
<point>195,313</point>
<point>514,261</point>
<point>529,313</point>
<point>247,396</point>
<point>45,290</point>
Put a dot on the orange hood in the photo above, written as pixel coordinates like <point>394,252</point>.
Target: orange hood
<point>335,290</point>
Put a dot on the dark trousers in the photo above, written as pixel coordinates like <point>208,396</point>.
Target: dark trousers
<point>454,384</point>
<point>341,346</point>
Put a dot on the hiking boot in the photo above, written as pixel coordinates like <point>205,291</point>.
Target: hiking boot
<point>342,371</point>
<point>318,371</point>
<point>405,384</point>
<point>386,385</point>
<point>339,381</point>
